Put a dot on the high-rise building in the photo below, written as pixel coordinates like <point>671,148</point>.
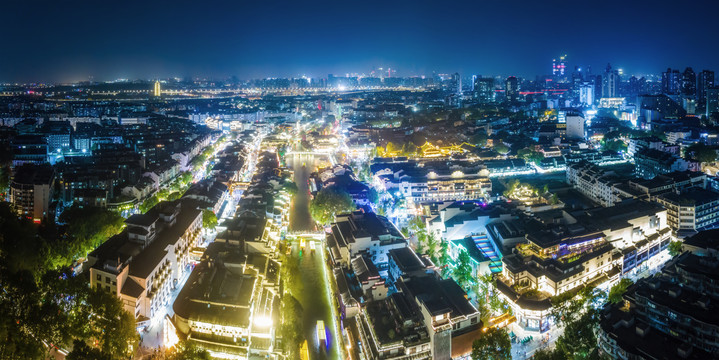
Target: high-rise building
<point>670,82</point>
<point>712,103</point>
<point>157,91</point>
<point>31,191</point>
<point>688,83</point>
<point>456,84</point>
<point>586,93</point>
<point>474,80</point>
<point>705,81</point>
<point>610,82</point>
<point>484,90</point>
<point>511,89</point>
<point>559,67</point>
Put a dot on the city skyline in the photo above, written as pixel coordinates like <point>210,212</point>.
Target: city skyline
<point>219,40</point>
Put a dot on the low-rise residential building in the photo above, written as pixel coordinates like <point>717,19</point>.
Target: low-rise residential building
<point>211,193</point>
<point>594,182</point>
<point>692,210</point>
<point>651,163</point>
<point>676,181</point>
<point>363,233</point>
<point>672,315</point>
<point>143,264</point>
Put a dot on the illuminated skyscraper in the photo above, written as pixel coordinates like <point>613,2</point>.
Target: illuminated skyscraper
<point>511,89</point>
<point>712,101</point>
<point>456,84</point>
<point>586,94</point>
<point>610,82</point>
<point>689,83</point>
<point>484,90</point>
<point>670,82</point>
<point>705,81</point>
<point>558,68</point>
<point>157,91</point>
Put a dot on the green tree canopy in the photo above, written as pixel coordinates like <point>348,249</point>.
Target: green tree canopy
<point>462,272</point>
<point>209,219</point>
<point>329,202</point>
<point>701,153</point>
<point>87,228</point>
<point>617,291</point>
<point>148,204</point>
<point>530,155</point>
<point>292,324</point>
<point>479,139</point>
<point>290,187</point>
<point>614,145</point>
<point>373,196</point>
<point>187,350</point>
<point>492,345</point>
<point>675,248</point>
<point>501,148</point>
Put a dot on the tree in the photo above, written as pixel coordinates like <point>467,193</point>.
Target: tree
<point>290,187</point>
<point>614,145</point>
<point>372,196</point>
<point>292,324</point>
<point>329,202</point>
<point>462,272</point>
<point>530,155</point>
<point>554,200</point>
<point>187,350</point>
<point>391,148</point>
<point>444,257</point>
<point>617,291</point>
<point>4,180</point>
<point>579,339</point>
<point>81,351</point>
<point>432,247</point>
<point>185,178</point>
<point>547,354</point>
<point>479,139</point>
<point>702,153</point>
<point>568,305</point>
<point>148,204</point>
<point>675,248</point>
<point>492,345</point>
<point>163,194</point>
<point>87,228</point>
<point>501,149</point>
<point>209,219</point>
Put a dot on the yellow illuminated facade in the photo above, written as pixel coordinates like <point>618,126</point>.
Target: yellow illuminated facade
<point>158,90</point>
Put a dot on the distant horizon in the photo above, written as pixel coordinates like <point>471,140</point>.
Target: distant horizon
<point>69,41</point>
<point>595,71</point>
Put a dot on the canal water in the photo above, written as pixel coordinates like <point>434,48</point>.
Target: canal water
<point>315,295</point>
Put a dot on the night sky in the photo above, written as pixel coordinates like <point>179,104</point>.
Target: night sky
<point>68,40</point>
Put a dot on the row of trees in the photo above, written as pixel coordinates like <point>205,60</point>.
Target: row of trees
<point>428,243</point>
<point>84,229</point>
<point>42,303</point>
<point>174,191</point>
<point>291,309</point>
